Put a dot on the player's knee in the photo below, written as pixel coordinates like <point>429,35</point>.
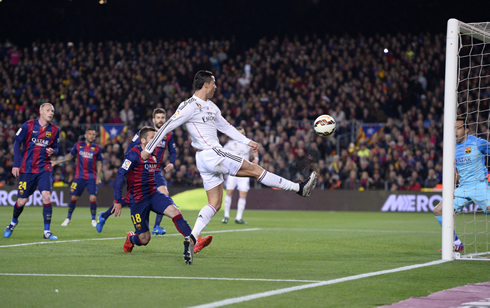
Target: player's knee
<point>145,241</point>
<point>74,198</point>
<point>92,198</point>
<point>21,202</point>
<point>46,196</point>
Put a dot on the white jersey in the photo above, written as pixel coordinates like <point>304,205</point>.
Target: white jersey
<point>202,120</point>
<point>239,148</point>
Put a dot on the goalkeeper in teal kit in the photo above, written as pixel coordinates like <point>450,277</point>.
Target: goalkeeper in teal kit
<point>472,173</point>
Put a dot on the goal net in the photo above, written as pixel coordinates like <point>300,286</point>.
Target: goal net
<point>467,97</point>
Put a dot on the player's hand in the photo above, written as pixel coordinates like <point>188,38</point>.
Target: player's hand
<point>98,181</point>
<point>49,151</point>
<point>54,163</point>
<point>254,145</point>
<point>15,171</point>
<point>117,209</point>
<point>169,167</point>
<point>145,155</point>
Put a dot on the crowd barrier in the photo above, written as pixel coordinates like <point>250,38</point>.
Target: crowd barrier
<point>272,199</point>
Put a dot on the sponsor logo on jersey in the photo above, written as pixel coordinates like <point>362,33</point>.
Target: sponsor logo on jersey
<point>209,117</point>
<point>138,227</point>
<point>135,138</point>
<point>40,142</point>
<point>151,167</point>
<point>18,132</point>
<point>467,150</point>
<point>88,155</point>
<point>199,105</point>
<point>48,134</point>
<point>92,149</point>
<point>126,164</point>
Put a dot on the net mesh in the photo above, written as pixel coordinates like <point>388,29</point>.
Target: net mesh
<point>471,223</point>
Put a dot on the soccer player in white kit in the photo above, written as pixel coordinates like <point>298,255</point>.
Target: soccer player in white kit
<point>242,184</point>
<point>202,119</point>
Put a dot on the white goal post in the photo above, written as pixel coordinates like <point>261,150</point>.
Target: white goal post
<point>467,63</point>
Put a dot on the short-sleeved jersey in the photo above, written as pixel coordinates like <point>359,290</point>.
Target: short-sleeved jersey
<point>140,175</point>
<point>202,120</point>
<point>35,140</point>
<point>238,148</point>
<point>470,159</point>
<point>167,143</point>
<point>87,155</point>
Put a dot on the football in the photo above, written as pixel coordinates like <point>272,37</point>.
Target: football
<point>324,125</point>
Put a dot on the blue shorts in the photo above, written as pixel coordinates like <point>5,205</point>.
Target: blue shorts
<point>78,185</point>
<point>475,192</point>
<point>159,179</point>
<point>140,211</point>
<point>28,183</point>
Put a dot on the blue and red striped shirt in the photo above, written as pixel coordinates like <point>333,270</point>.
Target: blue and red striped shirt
<point>140,174</point>
<point>87,155</point>
<point>35,139</point>
<point>167,143</point>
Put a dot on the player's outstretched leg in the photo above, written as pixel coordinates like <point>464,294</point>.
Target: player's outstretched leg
<point>457,245</point>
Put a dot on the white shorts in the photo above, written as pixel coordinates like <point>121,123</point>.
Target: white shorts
<point>242,184</point>
<point>213,163</point>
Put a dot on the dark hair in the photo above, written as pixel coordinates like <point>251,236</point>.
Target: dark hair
<point>157,111</point>
<point>145,130</point>
<point>462,119</point>
<point>201,78</point>
<point>240,128</point>
<point>90,128</point>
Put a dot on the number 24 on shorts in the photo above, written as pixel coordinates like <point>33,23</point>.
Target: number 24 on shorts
<point>22,185</point>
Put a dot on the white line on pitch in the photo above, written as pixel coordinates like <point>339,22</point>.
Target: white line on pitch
<point>158,277</point>
<point>241,299</point>
<point>114,238</point>
<point>354,230</point>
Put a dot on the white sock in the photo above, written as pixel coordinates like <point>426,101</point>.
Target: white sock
<point>203,219</point>
<point>273,180</point>
<point>458,242</point>
<point>227,205</point>
<point>240,208</point>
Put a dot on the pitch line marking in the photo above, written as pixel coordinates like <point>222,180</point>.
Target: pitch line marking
<point>116,238</point>
<point>242,299</point>
<point>159,277</point>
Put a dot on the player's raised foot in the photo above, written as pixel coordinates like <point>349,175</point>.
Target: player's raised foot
<point>240,222</point>
<point>158,231</point>
<point>66,222</point>
<point>128,246</point>
<point>9,230</point>
<point>100,223</point>
<point>94,223</point>
<point>188,250</point>
<point>202,242</point>
<point>224,220</point>
<point>49,236</point>
<point>308,185</point>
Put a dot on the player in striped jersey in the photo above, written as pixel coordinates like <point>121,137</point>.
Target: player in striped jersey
<point>242,184</point>
<point>202,119</point>
<point>159,118</point>
<point>87,173</point>
<point>144,196</point>
<point>39,139</point>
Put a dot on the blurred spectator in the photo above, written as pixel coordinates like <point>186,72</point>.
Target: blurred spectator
<point>431,181</point>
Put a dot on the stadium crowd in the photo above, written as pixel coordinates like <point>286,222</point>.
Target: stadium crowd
<point>274,89</point>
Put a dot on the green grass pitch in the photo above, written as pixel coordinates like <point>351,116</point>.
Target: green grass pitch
<point>275,251</point>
